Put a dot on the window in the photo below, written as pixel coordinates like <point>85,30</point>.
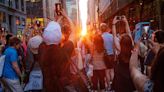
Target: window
<point>22,5</point>
<point>16,4</point>
<point>9,2</point>
<point>17,20</point>
<point>23,22</point>
<point>2,1</point>
<point>2,17</point>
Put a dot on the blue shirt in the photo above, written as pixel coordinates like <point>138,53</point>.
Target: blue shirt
<point>108,42</point>
<point>11,56</point>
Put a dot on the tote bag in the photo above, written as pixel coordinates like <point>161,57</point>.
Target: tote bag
<point>35,81</point>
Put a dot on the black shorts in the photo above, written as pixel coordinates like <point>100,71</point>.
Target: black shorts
<point>109,61</point>
<point>98,77</point>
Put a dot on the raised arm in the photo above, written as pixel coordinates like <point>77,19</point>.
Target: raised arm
<point>124,19</point>
<point>72,35</point>
<point>115,39</point>
<point>138,78</point>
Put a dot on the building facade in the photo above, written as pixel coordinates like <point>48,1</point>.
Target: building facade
<point>72,9</point>
<point>13,15</point>
<point>136,11</point>
<point>95,9</point>
<point>34,11</point>
<point>49,11</point>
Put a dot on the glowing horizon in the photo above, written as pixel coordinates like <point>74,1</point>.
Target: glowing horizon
<point>83,7</point>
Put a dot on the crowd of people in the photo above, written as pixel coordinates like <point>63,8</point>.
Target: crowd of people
<point>60,60</point>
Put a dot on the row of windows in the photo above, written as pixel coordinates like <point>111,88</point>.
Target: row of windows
<point>2,1</point>
<point>19,21</point>
<point>10,3</point>
<point>2,17</point>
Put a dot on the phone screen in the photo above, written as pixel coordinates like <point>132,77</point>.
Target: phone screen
<point>146,28</point>
<point>145,33</point>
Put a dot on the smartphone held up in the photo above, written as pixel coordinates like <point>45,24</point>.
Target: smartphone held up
<point>58,9</point>
<point>120,17</point>
<point>145,32</point>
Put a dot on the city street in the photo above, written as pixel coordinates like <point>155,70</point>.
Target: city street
<point>81,45</point>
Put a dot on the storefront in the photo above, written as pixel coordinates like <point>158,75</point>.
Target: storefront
<point>12,18</point>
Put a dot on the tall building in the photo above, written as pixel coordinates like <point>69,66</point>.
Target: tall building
<point>96,8</point>
<point>13,15</point>
<point>92,11</point>
<point>71,7</point>
<point>49,11</point>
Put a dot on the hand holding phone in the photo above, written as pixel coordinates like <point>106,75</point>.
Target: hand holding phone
<point>58,8</point>
<point>115,20</point>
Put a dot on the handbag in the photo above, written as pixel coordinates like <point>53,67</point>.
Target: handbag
<point>2,61</point>
<point>35,81</point>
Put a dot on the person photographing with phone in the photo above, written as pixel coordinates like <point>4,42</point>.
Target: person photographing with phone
<point>122,81</point>
<point>55,55</point>
<point>154,82</point>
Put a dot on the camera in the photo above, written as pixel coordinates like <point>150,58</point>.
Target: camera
<point>58,8</point>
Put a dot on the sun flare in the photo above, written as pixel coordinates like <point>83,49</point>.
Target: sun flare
<point>83,7</point>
